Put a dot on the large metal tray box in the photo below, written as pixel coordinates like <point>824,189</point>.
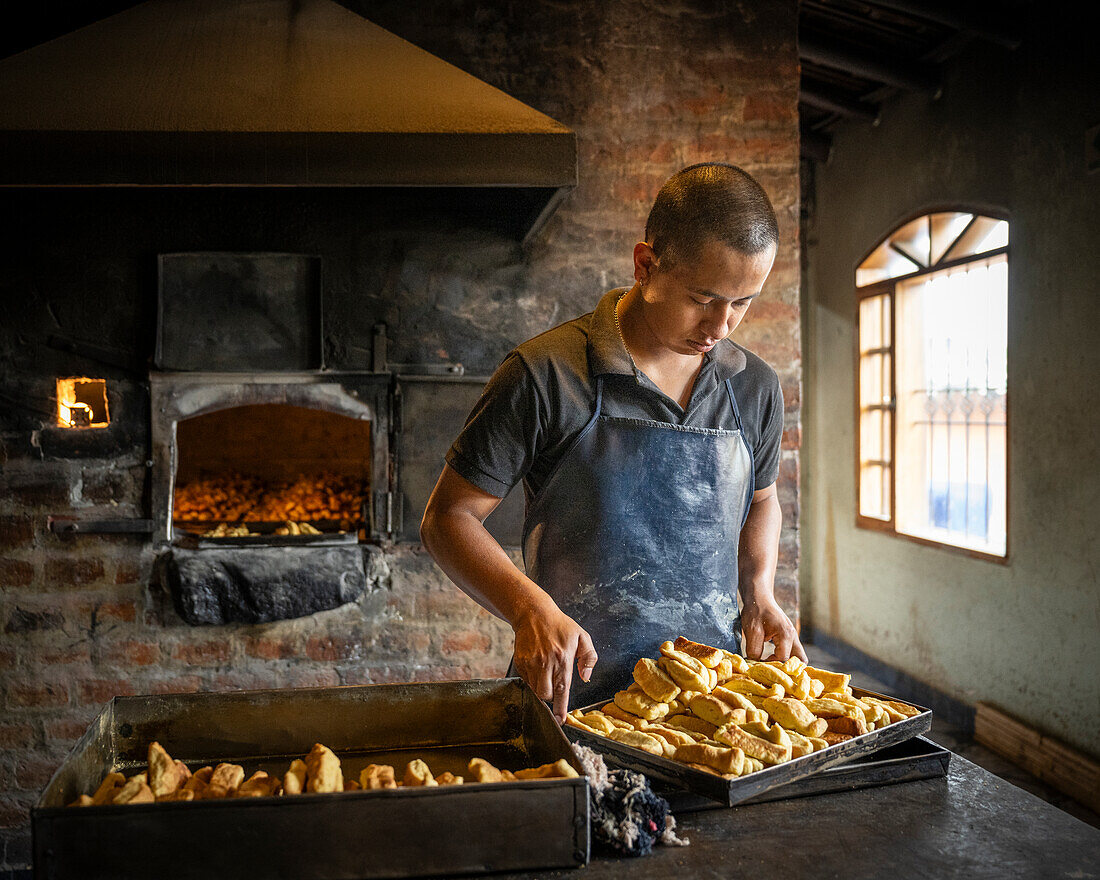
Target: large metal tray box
<point>743,788</point>
<point>360,834</point>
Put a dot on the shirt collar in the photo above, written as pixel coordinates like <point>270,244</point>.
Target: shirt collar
<point>607,353</point>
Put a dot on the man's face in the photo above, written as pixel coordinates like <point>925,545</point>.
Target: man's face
<point>691,306</point>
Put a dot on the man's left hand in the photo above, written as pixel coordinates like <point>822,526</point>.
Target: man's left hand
<point>766,622</point>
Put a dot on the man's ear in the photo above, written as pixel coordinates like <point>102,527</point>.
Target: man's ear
<point>645,262</point>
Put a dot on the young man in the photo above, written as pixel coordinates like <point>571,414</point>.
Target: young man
<point>648,443</point>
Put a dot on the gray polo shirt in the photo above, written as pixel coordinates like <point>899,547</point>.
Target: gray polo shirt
<point>544,393</point>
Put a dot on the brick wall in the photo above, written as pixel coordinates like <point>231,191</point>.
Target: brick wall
<point>647,89</point>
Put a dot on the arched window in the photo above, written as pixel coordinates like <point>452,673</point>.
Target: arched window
<point>933,382</point>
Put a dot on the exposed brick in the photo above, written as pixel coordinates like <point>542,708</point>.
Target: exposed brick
<point>127,572</point>
<point>97,691</point>
<point>76,571</point>
<point>177,684</point>
<point>125,611</point>
<point>330,648</point>
<point>464,643</point>
<point>792,437</point>
<point>307,678</point>
<point>25,620</point>
<point>75,653</point>
<point>16,573</point>
<point>65,731</point>
<point>13,811</point>
<point>132,653</point>
<point>273,647</point>
<point>202,653</point>
<point>33,771</point>
<point>41,490</point>
<point>33,695</point>
<point>16,532</point>
<point>15,735</point>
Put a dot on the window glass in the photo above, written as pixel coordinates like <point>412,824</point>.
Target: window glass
<point>933,402</point>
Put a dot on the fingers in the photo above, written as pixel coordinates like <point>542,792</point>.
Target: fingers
<point>754,641</point>
<point>586,656</point>
<point>563,678</point>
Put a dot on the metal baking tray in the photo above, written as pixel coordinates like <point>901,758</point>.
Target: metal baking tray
<point>189,534</point>
<point>728,792</point>
<point>916,758</point>
<point>398,832</point>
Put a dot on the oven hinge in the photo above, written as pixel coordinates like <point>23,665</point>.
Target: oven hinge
<point>390,501</point>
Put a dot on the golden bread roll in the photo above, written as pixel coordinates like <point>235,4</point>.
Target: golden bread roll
<point>733,698</point>
<point>180,794</point>
<point>323,770</point>
<point>724,670</point>
<point>833,738</point>
<point>164,775</point>
<point>224,781</point>
<point>692,724</point>
<point>448,778</point>
<point>744,684</point>
<point>850,726</point>
<point>771,675</point>
<point>108,788</point>
<point>891,714</point>
<point>715,711</point>
<point>418,774</point>
<point>135,791</point>
<point>578,722</point>
<point>720,758</point>
<point>600,722</point>
<point>656,683</point>
<point>686,676</point>
<point>259,784</point>
<point>482,771</point>
<point>738,663</point>
<point>375,776</point>
<point>800,745</point>
<point>826,707</point>
<point>754,746</point>
<point>752,765</point>
<point>803,686</point>
<point>560,769</point>
<point>613,710</point>
<point>638,740</point>
<point>294,780</point>
<point>794,716</point>
<point>831,681</point>
<point>85,800</point>
<point>672,735</point>
<point>705,654</point>
<point>641,705</point>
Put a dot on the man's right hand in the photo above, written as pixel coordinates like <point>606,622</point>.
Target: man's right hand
<point>548,642</point>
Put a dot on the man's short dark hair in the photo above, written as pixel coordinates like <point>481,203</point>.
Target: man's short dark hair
<point>711,201</point>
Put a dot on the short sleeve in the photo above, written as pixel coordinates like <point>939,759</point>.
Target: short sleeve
<point>498,443</point>
<point>769,442</point>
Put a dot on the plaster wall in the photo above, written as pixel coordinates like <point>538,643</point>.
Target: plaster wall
<point>1008,133</point>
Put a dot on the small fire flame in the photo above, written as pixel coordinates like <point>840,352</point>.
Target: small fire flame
<point>82,403</point>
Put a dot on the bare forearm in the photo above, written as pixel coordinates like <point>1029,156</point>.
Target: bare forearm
<point>758,551</point>
<point>480,567</point>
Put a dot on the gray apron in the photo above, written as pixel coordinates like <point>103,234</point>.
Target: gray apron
<point>635,537</point>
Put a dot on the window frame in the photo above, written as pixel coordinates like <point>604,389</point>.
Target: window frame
<point>888,287</point>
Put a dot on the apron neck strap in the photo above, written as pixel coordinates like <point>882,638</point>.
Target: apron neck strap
<point>733,403</point>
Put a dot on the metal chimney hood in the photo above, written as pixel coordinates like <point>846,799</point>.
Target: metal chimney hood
<point>266,93</point>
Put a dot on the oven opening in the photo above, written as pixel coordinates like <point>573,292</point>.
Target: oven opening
<point>272,473</point>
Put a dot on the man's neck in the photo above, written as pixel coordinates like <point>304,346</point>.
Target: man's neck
<point>672,372</point>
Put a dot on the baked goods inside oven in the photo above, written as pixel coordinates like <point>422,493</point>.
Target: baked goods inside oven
<point>721,712</point>
<point>320,771</point>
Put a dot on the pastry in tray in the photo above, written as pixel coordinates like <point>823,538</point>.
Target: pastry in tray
<point>319,772</point>
<point>720,712</point>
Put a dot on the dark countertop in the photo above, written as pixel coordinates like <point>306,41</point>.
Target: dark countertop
<point>968,824</point>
